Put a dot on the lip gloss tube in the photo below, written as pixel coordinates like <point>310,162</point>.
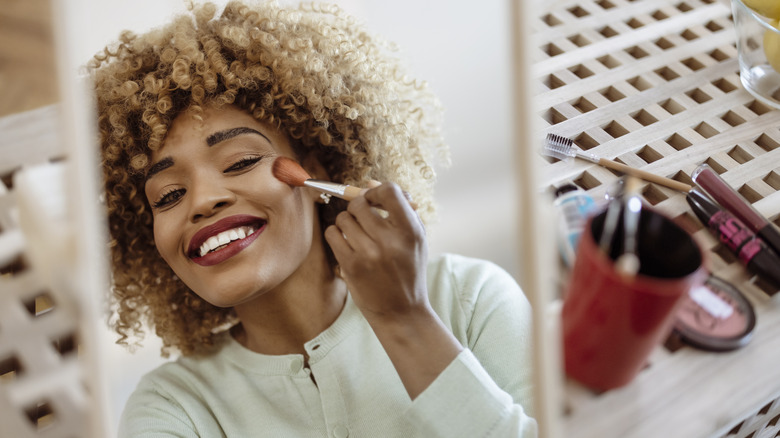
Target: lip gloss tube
<point>751,251</point>
<point>732,201</point>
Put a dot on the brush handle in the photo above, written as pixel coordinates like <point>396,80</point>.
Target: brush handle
<point>351,192</point>
<point>647,176</point>
<point>345,191</point>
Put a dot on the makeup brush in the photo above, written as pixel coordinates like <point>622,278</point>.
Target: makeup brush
<point>562,148</point>
<point>290,172</point>
<point>611,220</point>
<point>628,262</point>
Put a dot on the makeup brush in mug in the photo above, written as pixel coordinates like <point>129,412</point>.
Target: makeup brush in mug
<point>628,263</point>
<point>562,148</point>
<point>623,211</point>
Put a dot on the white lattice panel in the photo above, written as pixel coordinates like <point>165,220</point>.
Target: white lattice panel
<point>52,262</point>
<point>654,84</point>
<point>42,392</point>
<point>763,424</point>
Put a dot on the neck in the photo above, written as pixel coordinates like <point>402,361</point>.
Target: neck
<point>281,321</point>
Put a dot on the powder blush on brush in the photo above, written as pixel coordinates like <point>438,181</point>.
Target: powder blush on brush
<point>715,316</point>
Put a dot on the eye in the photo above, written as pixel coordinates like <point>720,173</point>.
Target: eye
<point>242,164</point>
<point>169,197</point>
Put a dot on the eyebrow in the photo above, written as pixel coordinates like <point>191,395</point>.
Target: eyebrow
<point>211,140</point>
<point>227,134</point>
<point>159,167</point>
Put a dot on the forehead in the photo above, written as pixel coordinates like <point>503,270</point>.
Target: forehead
<point>209,127</point>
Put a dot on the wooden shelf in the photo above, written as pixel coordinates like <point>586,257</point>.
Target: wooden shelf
<point>655,84</point>
<point>688,393</point>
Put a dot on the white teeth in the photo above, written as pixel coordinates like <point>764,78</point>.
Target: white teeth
<point>224,238</point>
<point>210,244</point>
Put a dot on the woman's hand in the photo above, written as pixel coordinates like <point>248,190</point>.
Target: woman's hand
<point>383,259</point>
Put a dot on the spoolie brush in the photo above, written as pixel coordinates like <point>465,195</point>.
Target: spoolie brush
<point>562,148</point>
<point>290,172</point>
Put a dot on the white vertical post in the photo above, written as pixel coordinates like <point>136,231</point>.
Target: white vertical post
<point>79,138</point>
<point>536,238</point>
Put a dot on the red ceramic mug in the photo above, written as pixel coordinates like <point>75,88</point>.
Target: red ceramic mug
<point>612,322</point>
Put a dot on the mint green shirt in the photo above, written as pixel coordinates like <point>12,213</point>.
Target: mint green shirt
<point>351,388</point>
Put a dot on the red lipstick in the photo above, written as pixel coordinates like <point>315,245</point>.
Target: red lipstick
<point>227,249</point>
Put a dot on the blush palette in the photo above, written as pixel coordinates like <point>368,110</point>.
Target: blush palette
<point>715,316</point>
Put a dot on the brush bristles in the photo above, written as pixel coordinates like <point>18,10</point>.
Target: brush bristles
<point>289,172</point>
<point>557,146</point>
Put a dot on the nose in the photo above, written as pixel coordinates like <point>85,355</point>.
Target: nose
<point>208,198</point>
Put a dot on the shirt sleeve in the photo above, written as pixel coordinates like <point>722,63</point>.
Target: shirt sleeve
<point>150,413</point>
<point>486,390</point>
<point>465,401</point>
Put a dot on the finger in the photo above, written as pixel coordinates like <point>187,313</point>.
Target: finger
<point>374,183</point>
<point>338,243</point>
<point>408,197</point>
<point>367,216</point>
<point>390,198</point>
<point>355,235</point>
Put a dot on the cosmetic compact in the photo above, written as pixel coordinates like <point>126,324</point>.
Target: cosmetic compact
<point>715,316</point>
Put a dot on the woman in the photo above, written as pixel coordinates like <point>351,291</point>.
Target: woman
<point>294,315</point>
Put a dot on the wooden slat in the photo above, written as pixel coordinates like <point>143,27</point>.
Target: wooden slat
<point>29,137</point>
<point>27,56</point>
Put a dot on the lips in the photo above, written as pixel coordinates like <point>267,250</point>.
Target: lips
<point>224,239</point>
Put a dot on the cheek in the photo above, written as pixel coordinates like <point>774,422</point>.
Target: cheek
<point>296,203</point>
<point>164,240</point>
<point>301,218</point>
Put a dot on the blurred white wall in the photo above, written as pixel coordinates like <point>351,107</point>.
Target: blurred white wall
<point>462,49</point>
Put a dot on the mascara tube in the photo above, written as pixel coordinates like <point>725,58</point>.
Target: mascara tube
<point>751,251</point>
<point>732,201</point>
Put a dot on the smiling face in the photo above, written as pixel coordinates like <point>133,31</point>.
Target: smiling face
<point>228,229</point>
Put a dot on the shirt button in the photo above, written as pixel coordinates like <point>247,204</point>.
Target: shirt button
<point>340,431</point>
<point>296,365</point>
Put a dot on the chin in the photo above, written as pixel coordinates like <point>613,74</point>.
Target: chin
<point>222,300</point>
<point>221,295</point>
<point>218,302</point>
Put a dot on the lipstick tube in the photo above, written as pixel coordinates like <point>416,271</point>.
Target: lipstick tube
<point>732,201</point>
<point>750,250</point>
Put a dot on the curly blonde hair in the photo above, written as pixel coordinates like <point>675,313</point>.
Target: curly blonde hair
<point>313,72</point>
